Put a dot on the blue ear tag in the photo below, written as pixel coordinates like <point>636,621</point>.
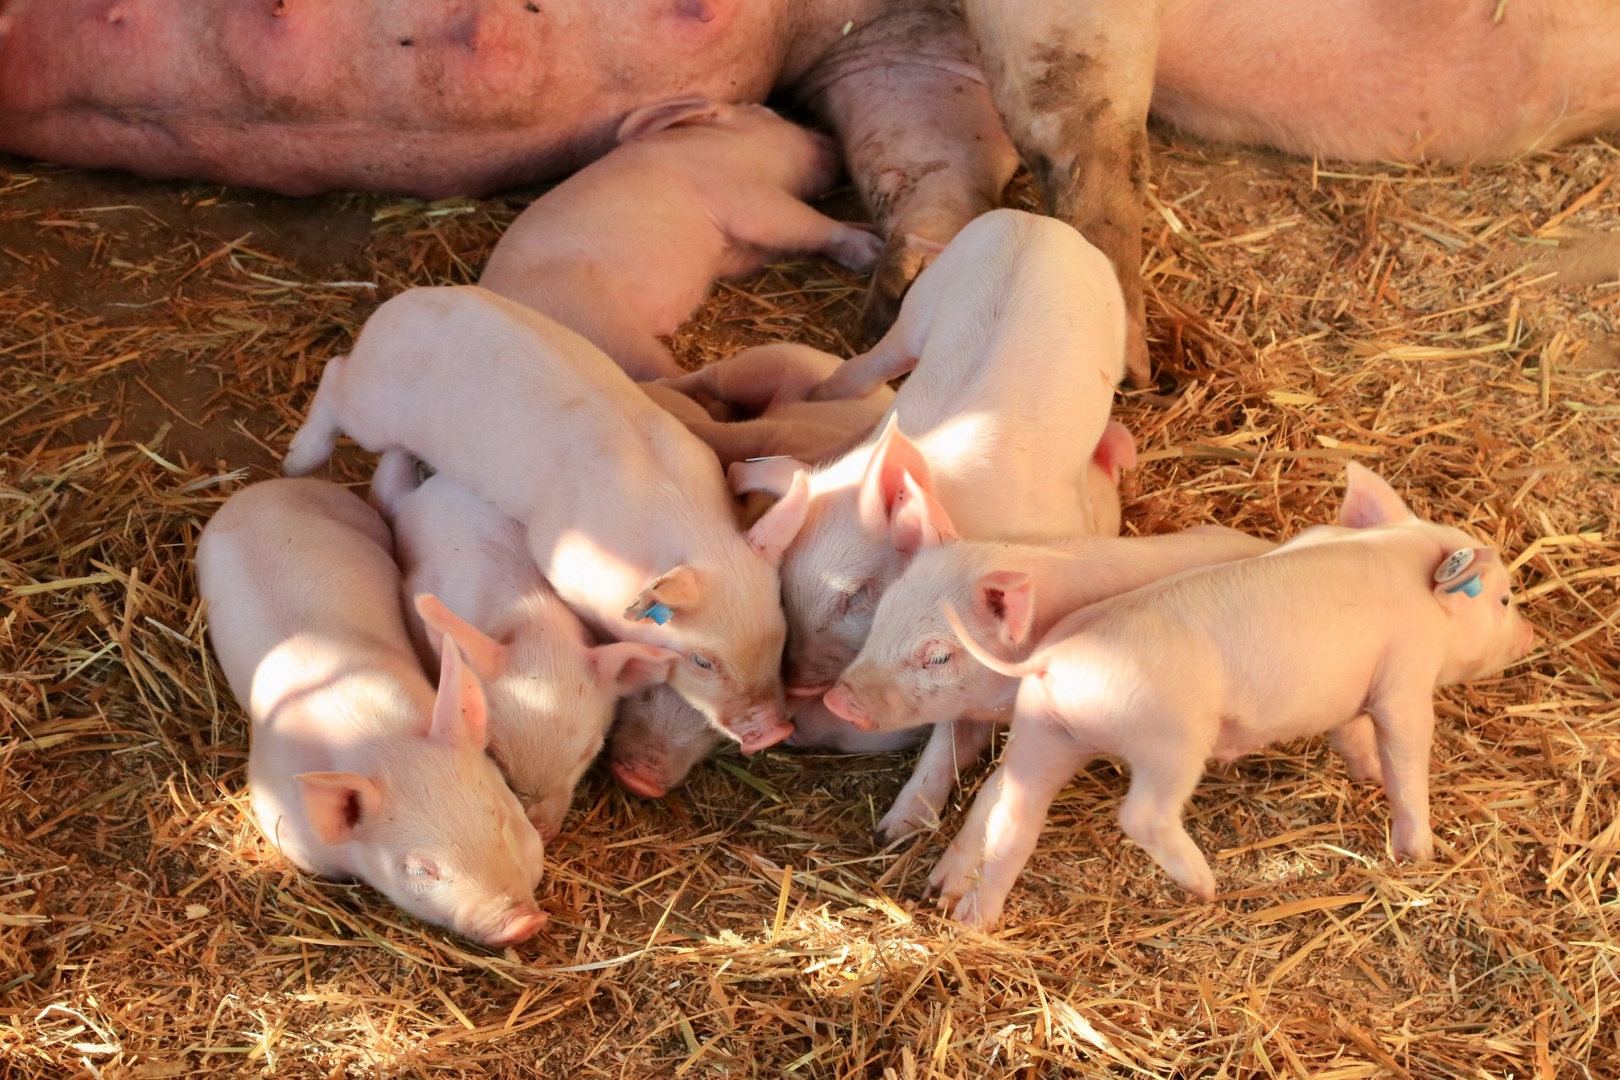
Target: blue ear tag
<point>1452,570</point>
<point>1472,587</point>
<point>661,613</point>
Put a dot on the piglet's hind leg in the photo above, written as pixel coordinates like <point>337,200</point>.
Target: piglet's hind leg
<point>1162,780</point>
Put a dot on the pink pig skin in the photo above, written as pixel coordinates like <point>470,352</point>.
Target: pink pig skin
<point>1017,335</point>
<point>1366,80</point>
<point>550,692</point>
<point>1222,661</point>
<point>760,394</point>
<point>911,672</point>
<point>624,508</point>
<point>357,769</point>
<point>626,248</point>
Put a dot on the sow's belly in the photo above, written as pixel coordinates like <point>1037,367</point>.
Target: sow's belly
<point>422,97</point>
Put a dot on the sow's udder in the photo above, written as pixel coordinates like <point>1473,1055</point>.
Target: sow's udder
<point>303,96</point>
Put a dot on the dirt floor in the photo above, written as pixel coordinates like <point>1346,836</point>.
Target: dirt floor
<point>1454,329</point>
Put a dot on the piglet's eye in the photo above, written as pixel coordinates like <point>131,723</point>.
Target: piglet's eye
<point>703,662</point>
<point>1506,601</point>
<point>940,658</point>
<point>421,869</point>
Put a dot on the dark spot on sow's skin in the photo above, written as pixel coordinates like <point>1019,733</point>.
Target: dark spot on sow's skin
<point>1063,71</point>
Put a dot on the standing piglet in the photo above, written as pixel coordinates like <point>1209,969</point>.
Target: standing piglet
<point>1017,335</point>
<point>1220,662</point>
<point>550,692</point>
<point>754,404</point>
<point>626,248</point>
<point>357,769</point>
<point>911,672</point>
<point>627,514</point>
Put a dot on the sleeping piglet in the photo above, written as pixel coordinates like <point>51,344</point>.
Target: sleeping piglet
<point>626,512</point>
<point>1222,661</point>
<point>550,692</point>
<point>627,247</point>
<point>1017,336</point>
<point>357,768</point>
<point>910,671</point>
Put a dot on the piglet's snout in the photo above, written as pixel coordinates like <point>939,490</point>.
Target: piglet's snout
<point>518,928</point>
<point>763,726</point>
<point>841,703</point>
<point>640,777</point>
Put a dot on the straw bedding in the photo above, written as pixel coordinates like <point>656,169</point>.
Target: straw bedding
<point>1454,329</point>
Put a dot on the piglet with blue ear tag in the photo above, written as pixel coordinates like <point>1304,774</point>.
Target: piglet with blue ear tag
<point>624,511</point>
<point>1366,617</point>
<point>468,578</point>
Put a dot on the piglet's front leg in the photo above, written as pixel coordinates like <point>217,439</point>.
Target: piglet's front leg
<point>951,748</point>
<point>983,862</point>
<point>1405,722</point>
<point>1357,743</point>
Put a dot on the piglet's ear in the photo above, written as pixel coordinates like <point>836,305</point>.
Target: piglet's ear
<point>483,653</point>
<point>893,458</point>
<point>917,520</point>
<point>623,667</point>
<point>1369,501</point>
<point>678,113</point>
<point>773,474</point>
<point>665,597</point>
<point>1007,598</point>
<point>339,804</point>
<point>1116,450</point>
<point>1459,578</point>
<point>460,717</point>
<point>775,530</point>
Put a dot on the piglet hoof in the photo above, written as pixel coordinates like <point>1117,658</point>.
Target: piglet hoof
<point>974,913</point>
<point>1199,881</point>
<point>857,249</point>
<point>1363,772</point>
<point>1417,847</point>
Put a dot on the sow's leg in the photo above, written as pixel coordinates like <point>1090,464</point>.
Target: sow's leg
<point>921,138</point>
<point>1074,79</point>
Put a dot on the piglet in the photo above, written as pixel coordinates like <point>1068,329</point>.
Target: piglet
<point>626,512</point>
<point>357,768</point>
<point>1222,661</point>
<point>753,405</point>
<point>1017,336</point>
<point>550,692</point>
<point>656,741</point>
<point>910,671</point>
<point>626,248</point>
